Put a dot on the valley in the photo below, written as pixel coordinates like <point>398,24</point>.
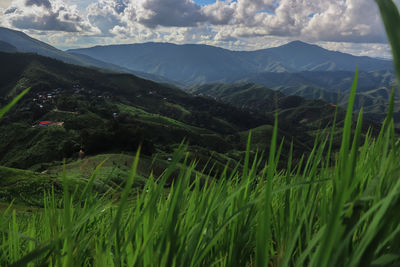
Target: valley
<point>75,110</point>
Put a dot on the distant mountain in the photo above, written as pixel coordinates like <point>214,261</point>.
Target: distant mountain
<point>298,101</point>
<point>24,43</point>
<point>333,81</point>
<point>92,62</point>
<point>295,113</point>
<point>8,48</point>
<point>191,64</point>
<point>374,102</point>
<point>373,88</point>
<point>21,42</point>
<point>244,95</point>
<point>299,56</point>
<point>183,63</point>
<point>255,97</point>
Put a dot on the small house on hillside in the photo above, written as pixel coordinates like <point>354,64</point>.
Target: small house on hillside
<point>45,123</point>
<point>50,123</point>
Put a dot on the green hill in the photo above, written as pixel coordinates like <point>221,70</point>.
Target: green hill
<point>105,113</point>
<point>374,102</point>
<point>25,187</point>
<point>299,118</point>
<point>17,41</point>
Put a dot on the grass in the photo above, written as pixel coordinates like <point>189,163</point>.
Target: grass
<point>13,102</point>
<point>24,187</point>
<point>151,118</point>
<point>317,212</point>
<point>314,213</point>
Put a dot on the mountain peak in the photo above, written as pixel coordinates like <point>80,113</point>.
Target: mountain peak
<point>299,43</point>
<point>4,30</point>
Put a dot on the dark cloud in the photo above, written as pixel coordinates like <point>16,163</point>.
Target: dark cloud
<point>176,13</point>
<point>46,23</point>
<point>120,6</point>
<point>45,3</point>
<point>10,10</point>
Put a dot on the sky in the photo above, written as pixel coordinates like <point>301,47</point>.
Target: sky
<point>352,26</point>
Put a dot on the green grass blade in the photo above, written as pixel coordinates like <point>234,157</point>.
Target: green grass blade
<point>391,19</point>
<point>264,235</point>
<point>13,102</point>
<point>333,230</point>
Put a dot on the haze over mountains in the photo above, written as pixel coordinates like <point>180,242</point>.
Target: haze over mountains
<point>191,64</point>
<point>293,64</point>
<point>16,41</point>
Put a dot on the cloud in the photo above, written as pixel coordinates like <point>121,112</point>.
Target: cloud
<point>309,20</point>
<point>371,50</point>
<point>346,21</point>
<point>312,20</point>
<point>238,24</point>
<point>175,13</point>
<point>5,4</point>
<point>44,15</point>
<point>45,3</point>
<point>105,15</point>
<point>219,13</point>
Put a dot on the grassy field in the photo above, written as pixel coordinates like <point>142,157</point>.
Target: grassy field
<point>329,209</point>
<point>316,213</point>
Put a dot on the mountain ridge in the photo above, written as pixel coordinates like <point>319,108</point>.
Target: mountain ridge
<point>26,44</point>
<point>157,116</point>
<point>198,63</point>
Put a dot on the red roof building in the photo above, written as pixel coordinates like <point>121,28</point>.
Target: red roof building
<point>45,123</point>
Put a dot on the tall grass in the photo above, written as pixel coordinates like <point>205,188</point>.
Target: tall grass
<point>319,212</point>
<point>315,213</point>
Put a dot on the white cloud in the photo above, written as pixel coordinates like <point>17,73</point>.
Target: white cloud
<point>370,50</point>
<point>5,4</point>
<point>106,14</point>
<point>346,21</point>
<point>313,20</point>
<point>44,15</point>
<point>219,13</point>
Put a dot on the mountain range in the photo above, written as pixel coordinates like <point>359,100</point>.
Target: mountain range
<point>85,100</point>
<point>16,41</point>
<point>112,112</point>
<point>264,100</point>
<point>102,106</point>
<point>194,64</point>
